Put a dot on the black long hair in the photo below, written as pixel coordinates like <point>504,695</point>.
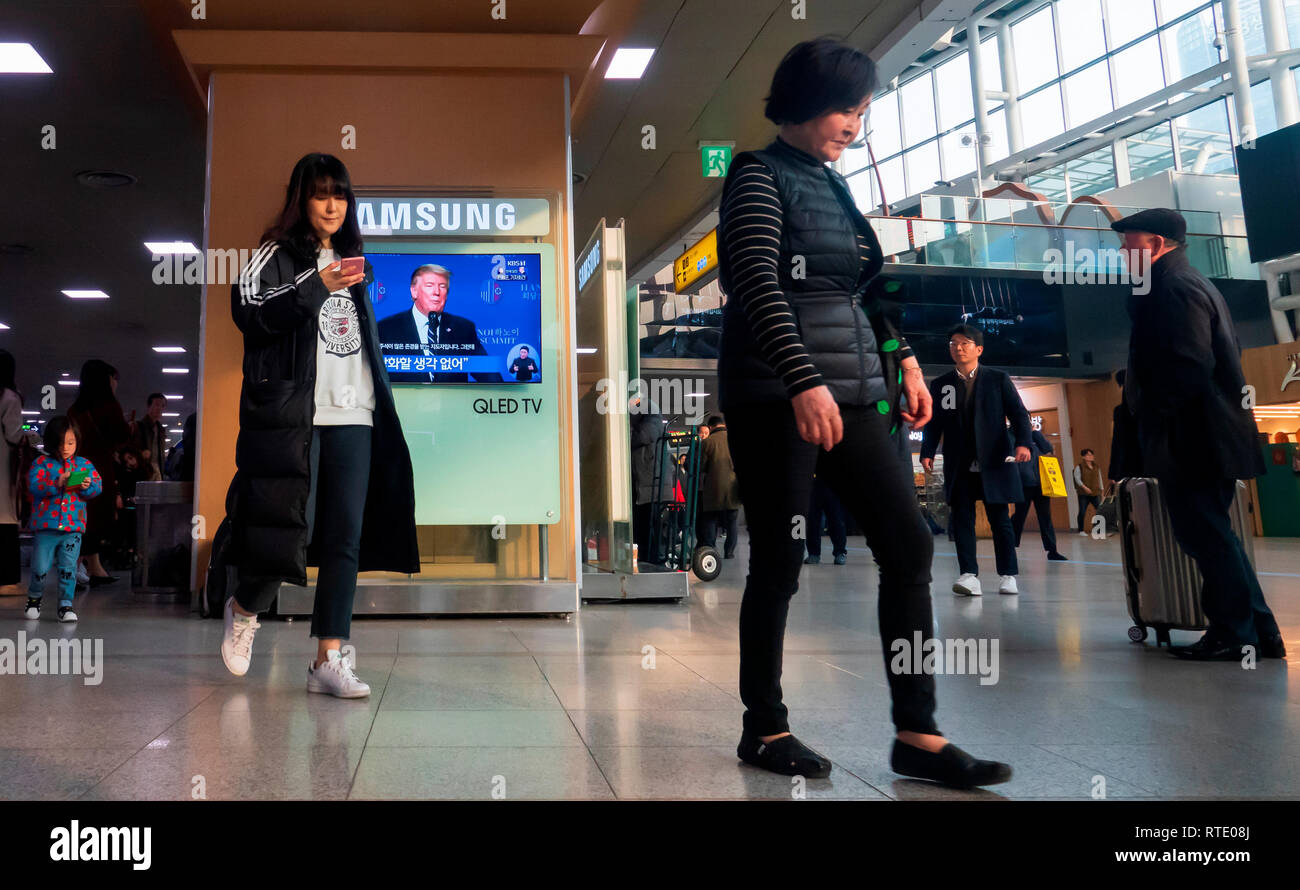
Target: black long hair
<point>55,430</point>
<point>316,174</point>
<point>96,387</point>
<point>7,371</point>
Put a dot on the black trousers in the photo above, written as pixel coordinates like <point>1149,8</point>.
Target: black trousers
<point>706,530</point>
<point>1042,505</point>
<point>825,506</point>
<point>1231,596</point>
<point>1084,501</point>
<point>775,467</point>
<point>968,488</point>
<point>340,477</point>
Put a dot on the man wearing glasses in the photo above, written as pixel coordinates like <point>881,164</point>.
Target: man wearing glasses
<point>972,406</point>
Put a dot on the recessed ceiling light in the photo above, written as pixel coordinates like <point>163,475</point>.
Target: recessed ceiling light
<point>25,411</point>
<point>175,370</point>
<point>628,64</point>
<point>169,349</point>
<point>3,326</point>
<point>65,374</point>
<point>173,398</point>
<point>69,383</point>
<point>22,58</point>
<point>86,294</point>
<point>168,247</point>
<point>171,414</point>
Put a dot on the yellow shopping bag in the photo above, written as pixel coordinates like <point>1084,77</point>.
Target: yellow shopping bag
<point>1050,478</point>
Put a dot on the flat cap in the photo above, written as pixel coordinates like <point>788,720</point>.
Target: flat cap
<point>1158,221</point>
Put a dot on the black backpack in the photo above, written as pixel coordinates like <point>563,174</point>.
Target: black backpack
<point>222,577</point>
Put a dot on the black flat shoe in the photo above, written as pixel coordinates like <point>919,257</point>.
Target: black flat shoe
<point>786,755</point>
<point>951,766</point>
<point>1273,647</point>
<point>1207,649</point>
<point>101,580</point>
<point>1057,557</point>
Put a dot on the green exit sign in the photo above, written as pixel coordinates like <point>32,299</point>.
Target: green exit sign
<point>715,160</point>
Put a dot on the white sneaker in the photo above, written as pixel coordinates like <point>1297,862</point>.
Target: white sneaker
<point>32,613</point>
<point>237,644</point>
<point>83,577</point>
<point>1083,534</point>
<point>967,585</point>
<point>1008,584</point>
<point>335,677</point>
<point>67,616</point>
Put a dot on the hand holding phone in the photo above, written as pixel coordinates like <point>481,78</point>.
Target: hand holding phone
<point>352,265</point>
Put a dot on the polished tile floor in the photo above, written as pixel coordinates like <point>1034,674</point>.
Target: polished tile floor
<point>581,709</point>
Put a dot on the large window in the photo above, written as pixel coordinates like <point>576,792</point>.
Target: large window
<point>1040,115</point>
<point>1138,71</point>
<point>1150,152</point>
<point>1034,40</point>
<point>917,97</point>
<point>886,135</point>
<point>1189,46</point>
<point>1087,94</point>
<point>1204,145</point>
<point>952,82</point>
<point>1129,20</point>
<point>1081,20</point>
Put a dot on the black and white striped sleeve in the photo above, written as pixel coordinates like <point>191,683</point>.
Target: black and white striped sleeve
<point>751,235</point>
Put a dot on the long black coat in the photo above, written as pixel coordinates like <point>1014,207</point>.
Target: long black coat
<point>275,304</point>
<point>996,402</point>
<point>1184,382</point>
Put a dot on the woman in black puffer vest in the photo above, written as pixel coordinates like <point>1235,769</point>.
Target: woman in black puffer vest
<point>812,374</point>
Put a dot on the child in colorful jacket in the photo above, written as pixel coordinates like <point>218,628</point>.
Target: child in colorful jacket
<point>58,514</point>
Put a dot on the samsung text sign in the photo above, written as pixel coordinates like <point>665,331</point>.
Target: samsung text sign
<point>397,217</point>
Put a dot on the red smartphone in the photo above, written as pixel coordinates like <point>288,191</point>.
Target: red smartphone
<point>352,265</point>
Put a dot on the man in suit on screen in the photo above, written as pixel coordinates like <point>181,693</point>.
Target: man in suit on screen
<point>428,330</point>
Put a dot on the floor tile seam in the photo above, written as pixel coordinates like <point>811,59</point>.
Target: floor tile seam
<point>1043,747</point>
<point>146,745</point>
<point>581,738</point>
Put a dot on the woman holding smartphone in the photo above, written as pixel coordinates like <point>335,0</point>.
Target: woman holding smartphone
<point>323,472</point>
<point>811,377</point>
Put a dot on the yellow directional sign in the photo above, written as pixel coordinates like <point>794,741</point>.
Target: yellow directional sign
<point>698,261</point>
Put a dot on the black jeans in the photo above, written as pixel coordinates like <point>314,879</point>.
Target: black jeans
<point>340,477</point>
<point>826,506</point>
<point>775,467</point>
<point>1084,501</point>
<point>706,531</point>
<point>968,488</point>
<point>1231,596</point>
<point>1042,505</point>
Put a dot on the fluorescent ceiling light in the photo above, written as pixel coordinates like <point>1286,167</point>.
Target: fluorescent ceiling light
<point>171,414</point>
<point>176,398</point>
<point>628,64</point>
<point>30,412</point>
<point>3,326</point>
<point>169,349</point>
<point>586,350</point>
<point>86,294</point>
<point>167,247</point>
<point>22,58</point>
<point>69,383</point>
<point>175,370</point>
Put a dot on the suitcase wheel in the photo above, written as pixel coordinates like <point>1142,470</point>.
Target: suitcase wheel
<point>1137,634</point>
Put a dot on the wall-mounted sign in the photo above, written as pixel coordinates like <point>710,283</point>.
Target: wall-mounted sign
<point>588,263</point>
<point>397,217</point>
<point>1272,370</point>
<point>715,159</point>
<point>698,261</point>
<point>1292,374</point>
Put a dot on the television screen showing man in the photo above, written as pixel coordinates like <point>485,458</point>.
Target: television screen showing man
<point>428,330</point>
<point>524,367</point>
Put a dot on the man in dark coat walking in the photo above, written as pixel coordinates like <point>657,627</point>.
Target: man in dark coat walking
<point>719,492</point>
<point>1042,504</point>
<point>1195,427</point>
<point>972,407</point>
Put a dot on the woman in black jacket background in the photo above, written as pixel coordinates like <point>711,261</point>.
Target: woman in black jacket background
<point>323,472</point>
<point>810,377</point>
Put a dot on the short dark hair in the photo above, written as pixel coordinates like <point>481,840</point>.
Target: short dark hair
<point>816,76</point>
<point>969,331</point>
<point>55,431</point>
<point>1120,375</point>
<point>523,348</point>
<point>154,395</point>
<point>1087,451</point>
<point>713,420</point>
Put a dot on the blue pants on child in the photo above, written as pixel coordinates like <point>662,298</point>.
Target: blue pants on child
<point>60,550</point>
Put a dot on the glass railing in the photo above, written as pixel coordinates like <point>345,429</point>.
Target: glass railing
<point>1036,247</point>
<point>1023,210</point>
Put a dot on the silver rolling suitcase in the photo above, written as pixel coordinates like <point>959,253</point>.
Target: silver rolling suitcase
<point>1163,584</point>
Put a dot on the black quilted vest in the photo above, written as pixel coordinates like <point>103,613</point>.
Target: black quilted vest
<point>824,290</point>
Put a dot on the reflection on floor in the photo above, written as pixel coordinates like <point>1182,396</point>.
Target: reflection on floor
<point>546,708</point>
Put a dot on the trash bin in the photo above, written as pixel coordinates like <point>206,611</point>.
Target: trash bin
<point>163,513</point>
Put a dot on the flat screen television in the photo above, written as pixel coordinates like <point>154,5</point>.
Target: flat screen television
<point>1269,175</point>
<point>459,318</point>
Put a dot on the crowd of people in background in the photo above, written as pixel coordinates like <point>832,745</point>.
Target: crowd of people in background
<point>119,450</point>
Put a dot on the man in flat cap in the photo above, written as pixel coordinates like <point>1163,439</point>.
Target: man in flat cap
<point>1197,436</point>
